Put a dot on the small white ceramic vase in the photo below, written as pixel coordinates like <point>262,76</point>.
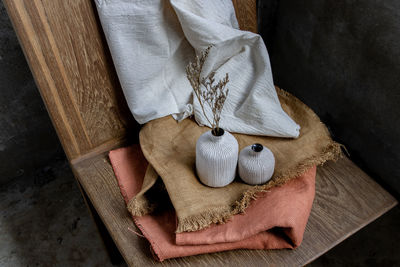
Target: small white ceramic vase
<point>216,158</point>
<point>256,164</point>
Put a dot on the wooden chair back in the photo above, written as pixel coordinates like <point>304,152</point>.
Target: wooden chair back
<point>70,61</point>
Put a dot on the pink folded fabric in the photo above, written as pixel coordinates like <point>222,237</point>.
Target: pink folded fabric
<point>285,208</point>
<point>277,219</point>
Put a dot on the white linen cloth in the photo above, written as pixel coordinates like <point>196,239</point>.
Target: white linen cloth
<point>152,41</point>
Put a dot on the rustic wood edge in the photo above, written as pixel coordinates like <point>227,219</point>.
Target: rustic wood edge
<point>84,193</point>
<point>80,128</point>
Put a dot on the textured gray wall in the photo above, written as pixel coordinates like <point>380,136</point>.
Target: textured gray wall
<point>342,58</point>
<point>27,139</point>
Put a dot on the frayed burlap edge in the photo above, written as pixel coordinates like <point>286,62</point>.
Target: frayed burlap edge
<point>139,206</point>
<point>222,214</point>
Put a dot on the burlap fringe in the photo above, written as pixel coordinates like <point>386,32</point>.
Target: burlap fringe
<point>223,214</point>
<point>141,206</point>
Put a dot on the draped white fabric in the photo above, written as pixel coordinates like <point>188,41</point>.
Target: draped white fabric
<point>151,43</point>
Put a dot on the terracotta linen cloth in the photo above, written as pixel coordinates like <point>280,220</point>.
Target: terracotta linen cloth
<point>169,147</point>
<point>277,219</point>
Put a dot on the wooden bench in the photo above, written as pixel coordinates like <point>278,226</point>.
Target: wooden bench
<point>69,58</point>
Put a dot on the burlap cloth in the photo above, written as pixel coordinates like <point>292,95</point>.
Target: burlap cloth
<point>169,147</point>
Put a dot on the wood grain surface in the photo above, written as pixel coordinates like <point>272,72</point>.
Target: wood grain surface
<point>346,200</point>
<point>68,56</point>
<point>246,14</point>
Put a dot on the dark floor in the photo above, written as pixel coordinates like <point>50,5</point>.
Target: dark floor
<point>44,222</point>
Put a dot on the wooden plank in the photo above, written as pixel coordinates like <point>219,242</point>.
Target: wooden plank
<point>346,200</point>
<point>109,245</point>
<point>246,14</point>
<point>70,62</point>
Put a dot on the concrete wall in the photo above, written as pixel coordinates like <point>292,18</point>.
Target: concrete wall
<point>27,138</point>
<point>342,58</point>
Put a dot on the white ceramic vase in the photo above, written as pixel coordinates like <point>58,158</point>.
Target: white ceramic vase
<point>256,164</point>
<point>216,158</point>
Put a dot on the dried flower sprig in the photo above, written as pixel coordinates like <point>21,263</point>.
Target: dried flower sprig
<point>214,95</point>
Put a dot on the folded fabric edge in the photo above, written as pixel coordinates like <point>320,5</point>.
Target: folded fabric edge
<point>154,249</point>
<point>140,205</point>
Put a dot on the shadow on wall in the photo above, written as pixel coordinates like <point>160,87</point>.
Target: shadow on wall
<point>27,138</point>
<point>342,59</point>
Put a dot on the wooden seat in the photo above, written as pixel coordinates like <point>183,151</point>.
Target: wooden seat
<point>69,58</point>
<point>346,200</point>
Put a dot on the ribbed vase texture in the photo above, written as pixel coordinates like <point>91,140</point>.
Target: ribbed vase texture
<point>256,167</point>
<point>216,159</point>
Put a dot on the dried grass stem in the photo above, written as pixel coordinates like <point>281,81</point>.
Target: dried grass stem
<point>205,89</point>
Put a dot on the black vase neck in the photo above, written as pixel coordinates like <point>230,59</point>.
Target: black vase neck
<point>217,132</point>
<point>257,147</point>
